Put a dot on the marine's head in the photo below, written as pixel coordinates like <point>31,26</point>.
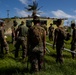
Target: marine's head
<point>15,23</point>
<point>51,24</point>
<point>58,22</point>
<point>73,25</point>
<point>22,22</point>
<point>2,24</point>
<point>36,20</point>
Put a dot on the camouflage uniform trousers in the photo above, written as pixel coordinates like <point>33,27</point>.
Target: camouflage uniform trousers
<point>59,49</point>
<point>4,45</point>
<point>73,48</point>
<point>51,36</point>
<point>36,59</point>
<point>21,41</point>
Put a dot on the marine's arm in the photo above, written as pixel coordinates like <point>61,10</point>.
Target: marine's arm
<point>55,38</point>
<point>44,41</point>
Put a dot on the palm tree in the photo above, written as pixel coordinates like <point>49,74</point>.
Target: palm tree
<point>34,8</point>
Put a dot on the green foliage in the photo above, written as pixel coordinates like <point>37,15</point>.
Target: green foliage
<point>11,66</point>
<point>69,29</point>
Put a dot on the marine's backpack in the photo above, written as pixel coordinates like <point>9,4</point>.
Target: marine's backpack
<point>61,33</point>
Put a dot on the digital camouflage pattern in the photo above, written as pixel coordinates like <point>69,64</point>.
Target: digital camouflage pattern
<point>21,39</point>
<point>13,33</point>
<point>51,32</point>
<point>36,35</point>
<point>13,28</point>
<point>60,37</point>
<point>36,46</point>
<point>73,42</point>
<point>3,42</point>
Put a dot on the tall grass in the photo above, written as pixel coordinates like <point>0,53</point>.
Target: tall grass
<point>11,66</point>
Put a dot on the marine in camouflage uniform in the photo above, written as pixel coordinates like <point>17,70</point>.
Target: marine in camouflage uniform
<point>36,50</point>
<point>21,39</point>
<point>14,27</point>
<point>45,27</point>
<point>73,42</point>
<point>3,42</point>
<point>59,41</point>
<point>51,31</point>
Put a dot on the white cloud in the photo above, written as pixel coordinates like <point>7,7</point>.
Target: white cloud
<point>41,13</point>
<point>22,13</point>
<point>62,14</point>
<point>24,1</point>
<point>57,14</point>
<point>25,13</point>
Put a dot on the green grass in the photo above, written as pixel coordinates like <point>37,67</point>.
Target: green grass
<point>11,66</point>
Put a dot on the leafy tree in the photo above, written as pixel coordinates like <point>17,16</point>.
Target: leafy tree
<point>34,8</point>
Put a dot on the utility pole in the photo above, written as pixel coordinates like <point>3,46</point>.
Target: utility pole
<point>8,13</point>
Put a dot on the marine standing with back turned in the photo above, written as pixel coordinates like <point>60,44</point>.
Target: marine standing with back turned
<point>36,46</point>
<point>21,39</point>
<point>59,37</point>
<point>51,31</point>
<point>73,41</point>
<point>3,41</point>
<point>14,27</point>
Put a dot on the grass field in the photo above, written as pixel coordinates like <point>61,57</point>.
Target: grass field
<point>11,66</point>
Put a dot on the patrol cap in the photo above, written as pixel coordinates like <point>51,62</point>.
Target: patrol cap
<point>51,24</point>
<point>36,19</point>
<point>29,23</point>
<point>15,23</point>
<point>59,20</point>
<point>22,22</point>
<point>1,23</point>
<point>73,24</point>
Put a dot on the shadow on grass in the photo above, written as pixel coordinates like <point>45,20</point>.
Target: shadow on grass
<point>13,66</point>
<point>13,71</point>
<point>67,56</point>
<point>64,55</point>
<point>9,42</point>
